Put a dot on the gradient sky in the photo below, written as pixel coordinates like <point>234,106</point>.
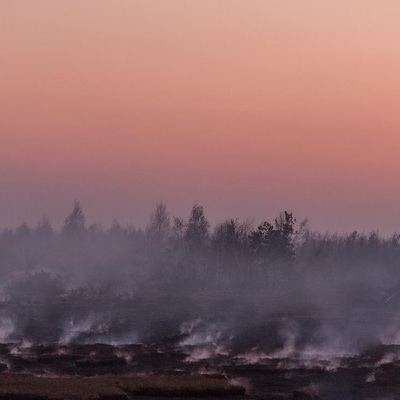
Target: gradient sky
<point>246,107</point>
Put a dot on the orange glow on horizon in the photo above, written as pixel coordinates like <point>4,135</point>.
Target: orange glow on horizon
<point>246,107</point>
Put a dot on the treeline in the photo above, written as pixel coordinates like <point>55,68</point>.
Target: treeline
<point>186,254</point>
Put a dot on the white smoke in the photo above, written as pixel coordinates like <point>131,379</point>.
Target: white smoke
<point>203,341</point>
<point>6,329</point>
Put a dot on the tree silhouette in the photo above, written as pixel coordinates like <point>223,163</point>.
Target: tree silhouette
<point>274,240</point>
<point>75,222</point>
<point>197,233</point>
<point>159,226</point>
<point>44,228</point>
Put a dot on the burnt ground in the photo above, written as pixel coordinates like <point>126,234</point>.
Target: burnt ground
<point>374,374</point>
<point>292,355</point>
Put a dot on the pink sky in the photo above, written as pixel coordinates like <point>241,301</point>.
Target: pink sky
<point>246,107</point>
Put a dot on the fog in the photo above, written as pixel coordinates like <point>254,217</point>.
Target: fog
<point>272,289</point>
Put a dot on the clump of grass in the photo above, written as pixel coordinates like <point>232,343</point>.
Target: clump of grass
<point>112,387</point>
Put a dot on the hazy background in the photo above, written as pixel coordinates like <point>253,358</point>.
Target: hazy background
<point>247,107</point>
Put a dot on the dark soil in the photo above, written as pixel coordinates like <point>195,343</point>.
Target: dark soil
<point>156,370</point>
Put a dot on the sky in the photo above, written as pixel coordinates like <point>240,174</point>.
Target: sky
<point>248,108</point>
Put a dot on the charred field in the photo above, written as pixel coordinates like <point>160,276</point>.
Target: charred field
<point>296,354</point>
<point>84,371</point>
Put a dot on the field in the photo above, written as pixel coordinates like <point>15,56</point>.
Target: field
<point>159,370</point>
